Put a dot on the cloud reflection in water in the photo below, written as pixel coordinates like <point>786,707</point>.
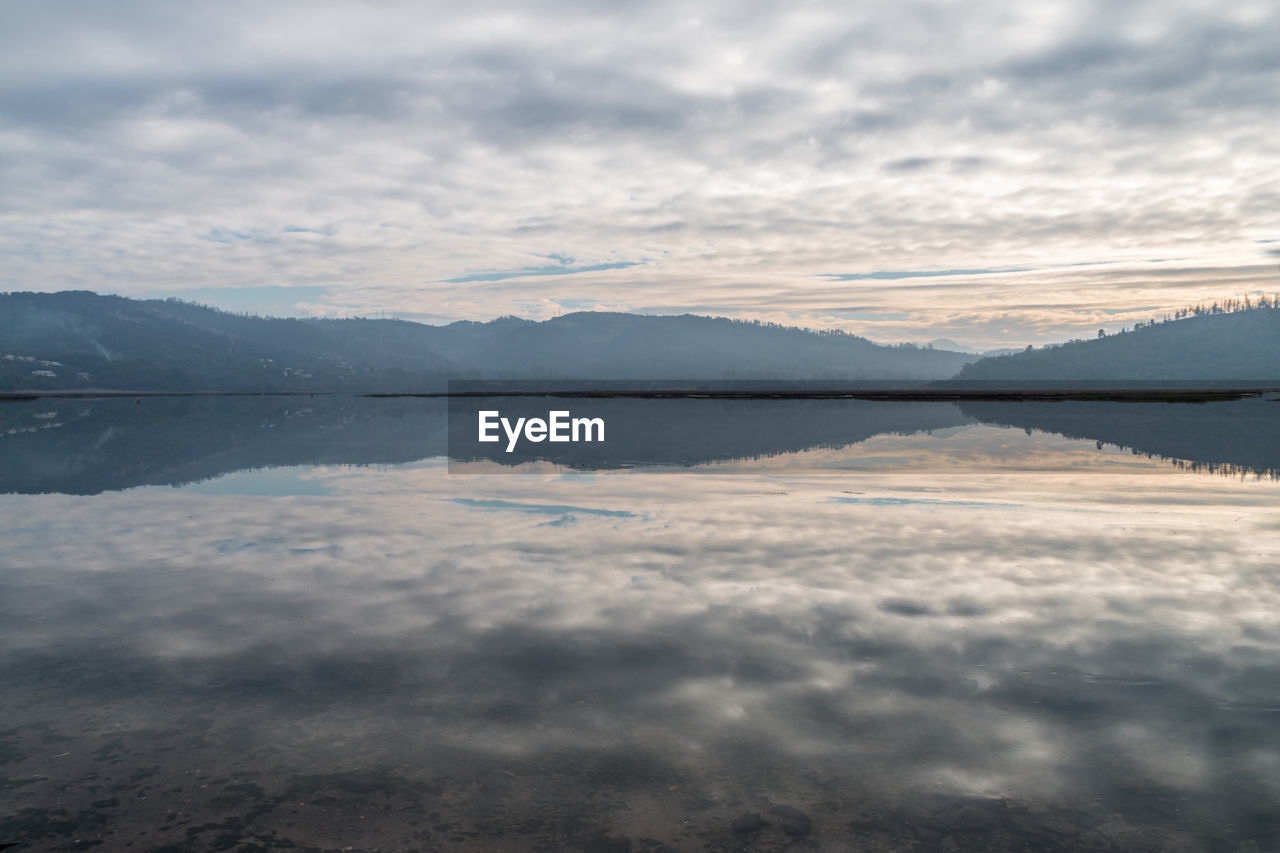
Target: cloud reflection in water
<point>1086,634</point>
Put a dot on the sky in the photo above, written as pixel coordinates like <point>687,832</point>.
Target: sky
<point>996,173</point>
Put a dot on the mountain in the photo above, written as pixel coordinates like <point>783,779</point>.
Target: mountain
<point>79,339</point>
<point>948,344</point>
<point>1241,345</point>
<point>953,346</point>
<point>630,346</point>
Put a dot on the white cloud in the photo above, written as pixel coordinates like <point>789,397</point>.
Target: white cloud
<point>734,155</point>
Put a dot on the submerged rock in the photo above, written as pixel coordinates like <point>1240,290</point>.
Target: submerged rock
<point>748,823</point>
<point>792,821</point>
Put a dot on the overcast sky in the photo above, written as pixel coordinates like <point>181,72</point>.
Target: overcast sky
<point>998,173</point>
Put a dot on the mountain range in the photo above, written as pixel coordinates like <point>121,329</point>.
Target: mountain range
<point>83,340</point>
<point>78,339</point>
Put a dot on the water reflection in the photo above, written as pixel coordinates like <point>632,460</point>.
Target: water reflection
<point>91,446</point>
<point>891,627</point>
<point>977,639</point>
<point>1241,436</point>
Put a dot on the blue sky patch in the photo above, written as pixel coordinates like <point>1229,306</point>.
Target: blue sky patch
<point>541,509</point>
<point>274,300</point>
<point>894,275</point>
<point>527,272</point>
<point>914,501</point>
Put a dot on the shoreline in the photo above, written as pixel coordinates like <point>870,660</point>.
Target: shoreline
<point>1078,394</point>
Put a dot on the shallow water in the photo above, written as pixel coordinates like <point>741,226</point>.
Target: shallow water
<point>235,624</point>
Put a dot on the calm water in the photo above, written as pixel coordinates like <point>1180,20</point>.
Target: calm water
<point>261,623</point>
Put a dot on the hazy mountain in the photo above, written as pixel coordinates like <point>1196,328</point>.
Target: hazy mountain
<point>1235,345</point>
<point>79,339</point>
<point>954,346</point>
<point>948,344</point>
<point>87,340</point>
<point>82,340</point>
<point>629,346</point>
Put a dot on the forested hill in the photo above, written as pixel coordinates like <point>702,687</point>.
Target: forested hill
<point>79,339</point>
<point>1221,345</point>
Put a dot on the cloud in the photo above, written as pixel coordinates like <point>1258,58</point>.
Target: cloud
<point>721,157</point>
<point>1099,636</point>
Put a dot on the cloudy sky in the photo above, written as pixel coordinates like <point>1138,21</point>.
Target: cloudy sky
<point>998,173</point>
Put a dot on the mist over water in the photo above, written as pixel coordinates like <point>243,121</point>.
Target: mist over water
<point>841,626</point>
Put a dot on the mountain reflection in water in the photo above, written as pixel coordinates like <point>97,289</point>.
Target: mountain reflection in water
<point>947,636</point>
<point>91,446</point>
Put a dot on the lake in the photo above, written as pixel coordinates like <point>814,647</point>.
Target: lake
<point>256,623</point>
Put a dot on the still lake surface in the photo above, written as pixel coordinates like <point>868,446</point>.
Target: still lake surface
<point>268,623</point>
